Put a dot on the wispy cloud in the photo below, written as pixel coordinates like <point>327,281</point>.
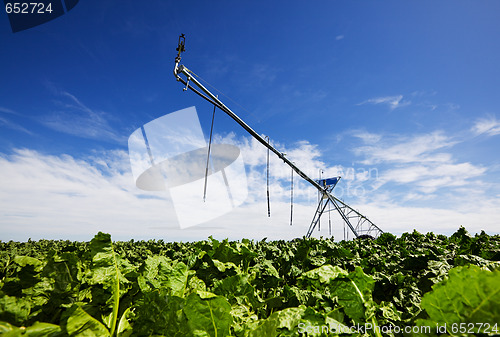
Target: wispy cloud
<point>489,126</point>
<point>14,126</point>
<point>7,122</point>
<point>426,99</point>
<point>403,149</point>
<point>261,74</point>
<point>421,163</point>
<point>339,37</point>
<point>8,111</point>
<point>428,178</point>
<point>75,118</point>
<point>367,137</point>
<point>393,102</point>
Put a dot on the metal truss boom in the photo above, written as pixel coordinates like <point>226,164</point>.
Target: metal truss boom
<point>192,83</point>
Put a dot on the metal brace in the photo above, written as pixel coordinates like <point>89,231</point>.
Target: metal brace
<point>187,84</point>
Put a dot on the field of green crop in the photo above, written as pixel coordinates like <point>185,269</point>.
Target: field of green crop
<point>415,284</point>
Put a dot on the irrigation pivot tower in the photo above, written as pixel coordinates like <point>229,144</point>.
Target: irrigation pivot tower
<point>360,225</point>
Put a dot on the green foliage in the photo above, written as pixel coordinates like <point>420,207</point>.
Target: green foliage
<point>80,323</point>
<point>469,295</point>
<point>303,287</point>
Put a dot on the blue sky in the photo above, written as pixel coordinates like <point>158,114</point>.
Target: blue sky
<point>398,97</point>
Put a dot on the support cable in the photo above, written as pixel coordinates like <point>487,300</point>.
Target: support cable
<point>223,94</point>
<point>267,180</point>
<point>208,156</point>
<point>320,199</point>
<point>329,219</point>
<point>291,199</point>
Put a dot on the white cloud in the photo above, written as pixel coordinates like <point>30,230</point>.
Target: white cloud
<point>75,118</point>
<point>367,137</point>
<point>421,164</point>
<point>304,154</point>
<point>47,196</point>
<point>489,126</point>
<point>430,177</point>
<point>392,101</point>
<point>339,37</point>
<point>62,197</point>
<point>398,219</point>
<point>404,149</point>
<point>14,126</point>
<point>9,123</point>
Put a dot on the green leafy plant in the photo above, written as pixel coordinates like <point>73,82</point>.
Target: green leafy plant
<point>303,287</point>
<point>469,298</point>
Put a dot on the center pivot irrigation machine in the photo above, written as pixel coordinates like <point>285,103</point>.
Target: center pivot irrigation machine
<point>360,225</point>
